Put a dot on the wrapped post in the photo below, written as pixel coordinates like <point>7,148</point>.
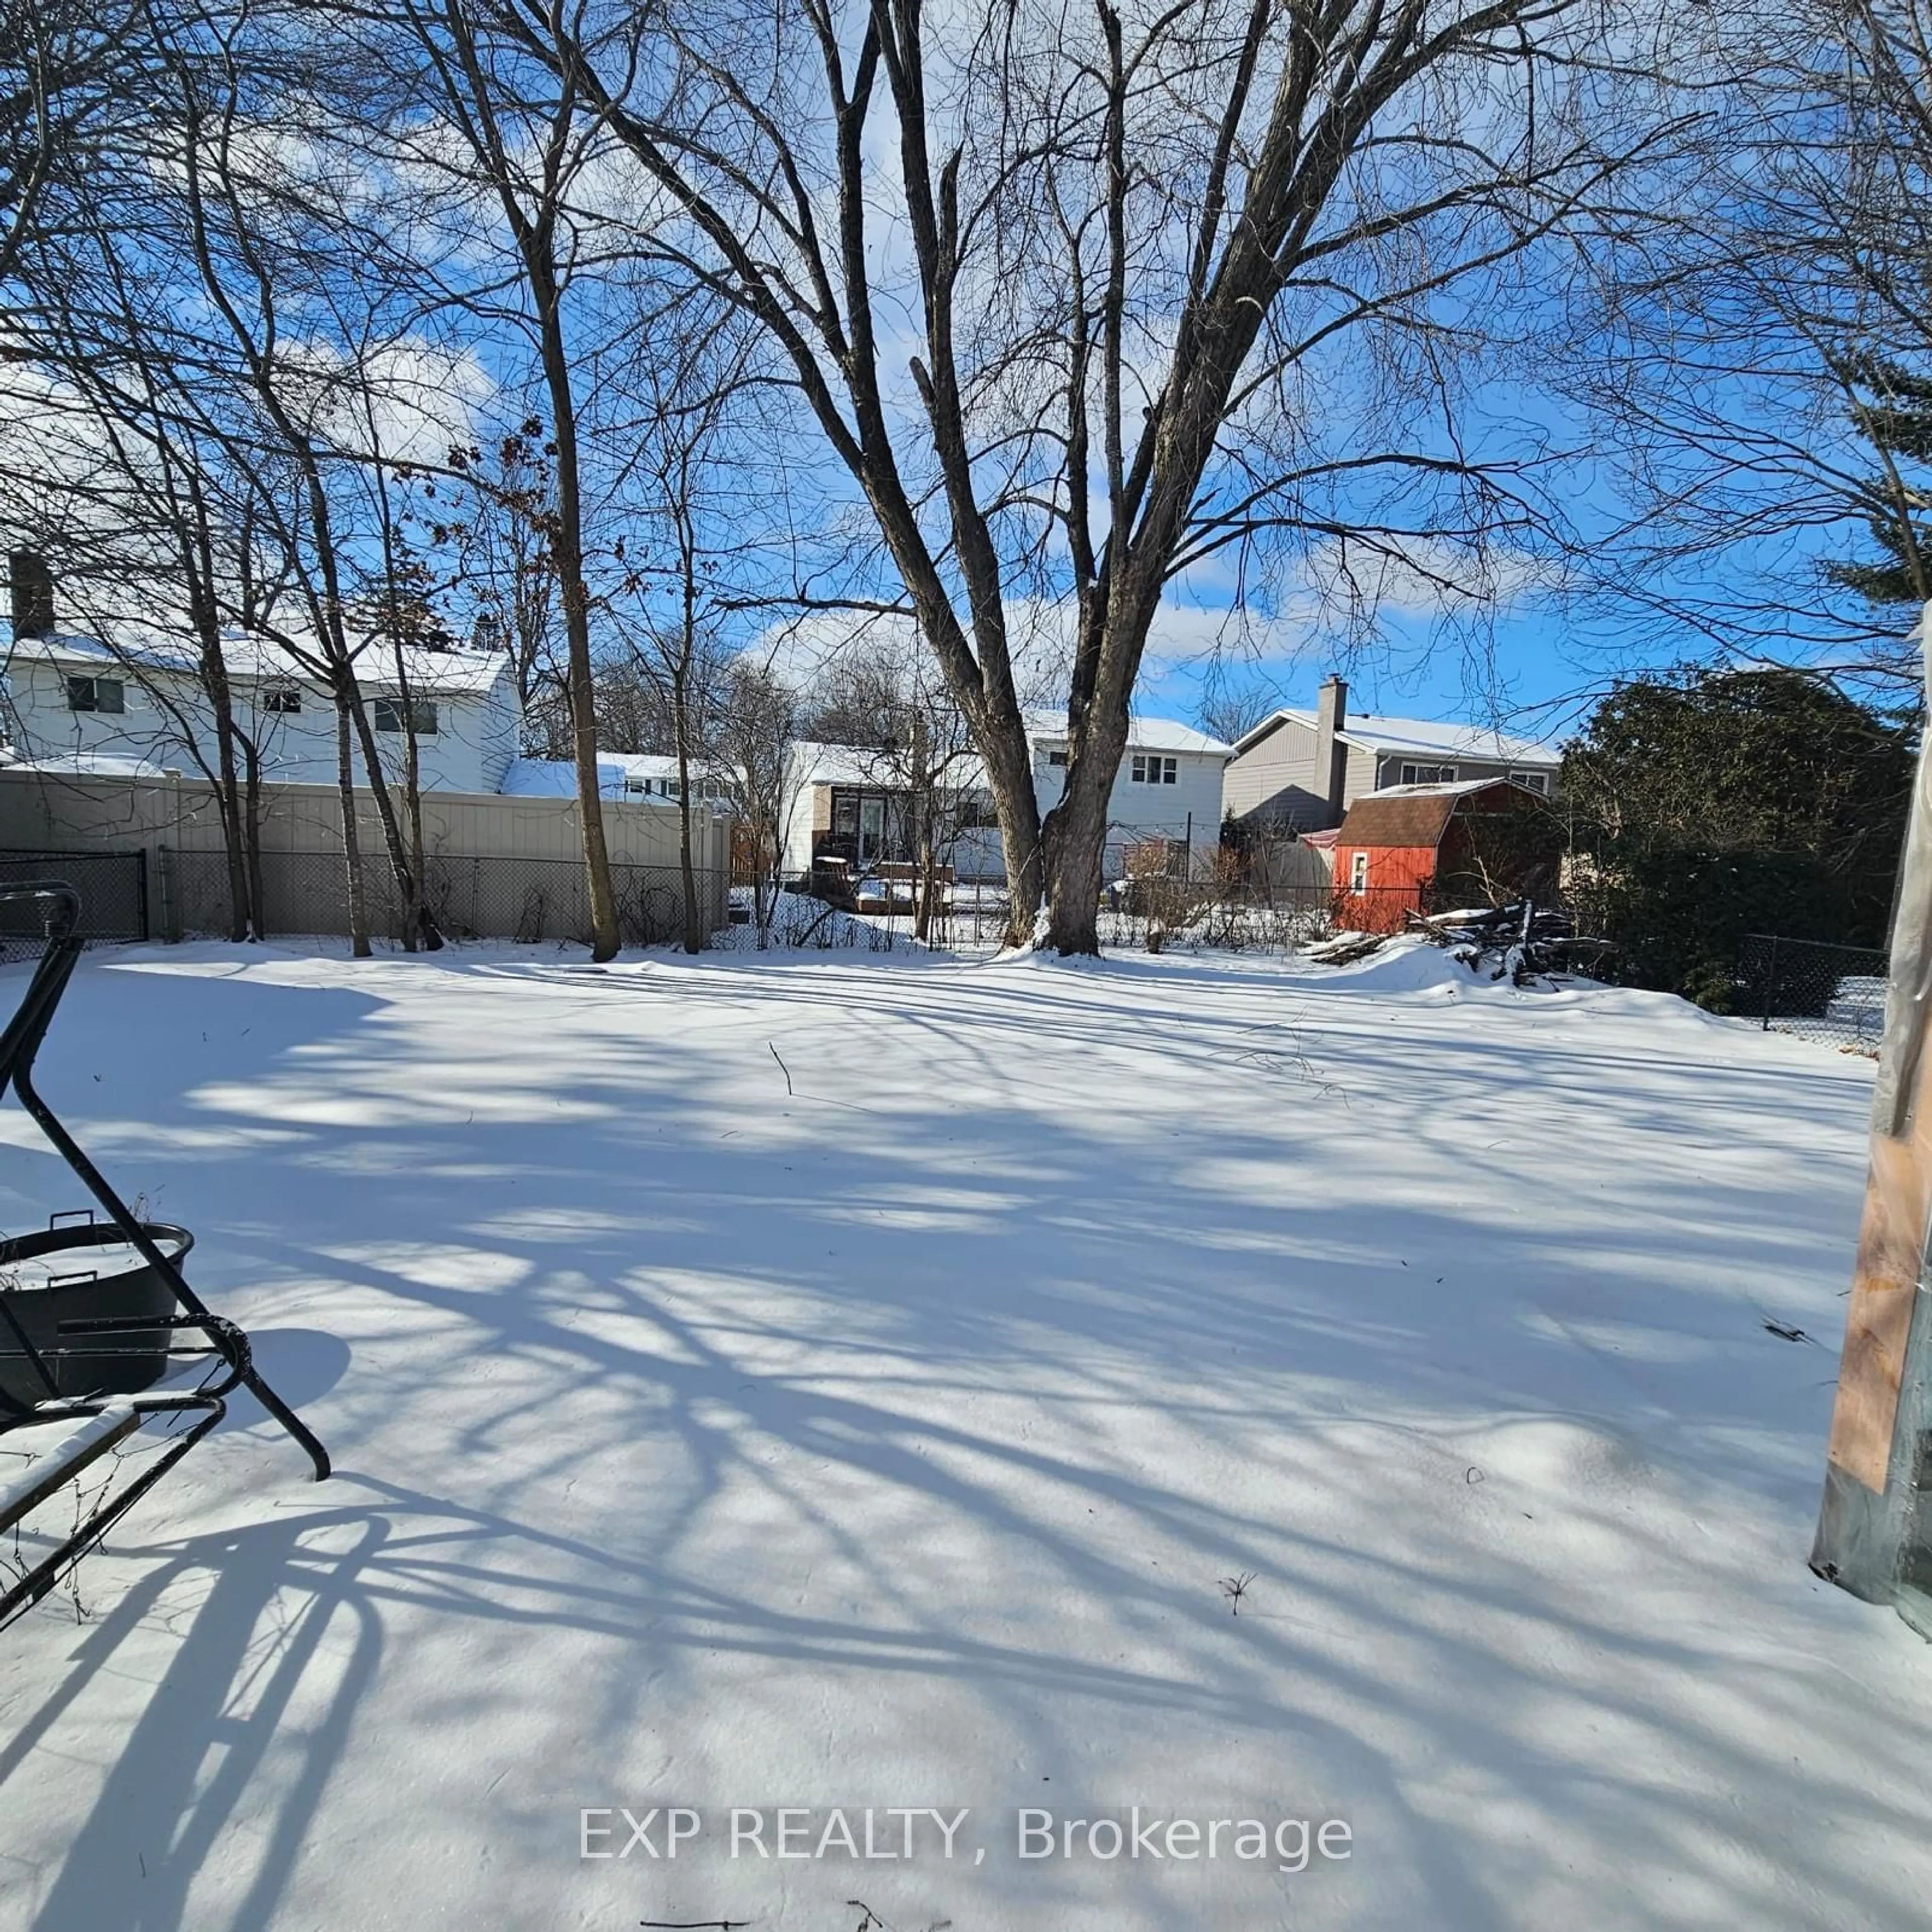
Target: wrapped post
<point>1872,1538</point>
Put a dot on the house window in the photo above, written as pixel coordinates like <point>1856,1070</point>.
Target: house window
<point>1148,769</point>
<point>1538,781</point>
<point>282,701</point>
<point>1429,775</point>
<point>1057,760</point>
<point>420,713</point>
<point>1358,873</point>
<point>97,693</point>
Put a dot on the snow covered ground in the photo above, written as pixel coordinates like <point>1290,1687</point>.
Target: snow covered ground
<point>884,1443</point>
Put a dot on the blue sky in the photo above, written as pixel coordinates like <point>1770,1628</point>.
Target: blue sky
<point>1529,678</point>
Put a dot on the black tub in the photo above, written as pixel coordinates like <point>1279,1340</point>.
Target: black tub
<point>84,1270</point>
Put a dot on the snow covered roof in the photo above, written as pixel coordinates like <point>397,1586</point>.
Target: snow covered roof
<point>620,775</point>
<point>1452,790</point>
<point>252,659</point>
<point>1373,733</point>
<point>813,762</point>
<point>557,777</point>
<point>810,762</point>
<point>99,765</point>
<point>1144,734</point>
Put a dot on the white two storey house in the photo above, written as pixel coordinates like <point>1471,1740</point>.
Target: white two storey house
<point>73,703</point>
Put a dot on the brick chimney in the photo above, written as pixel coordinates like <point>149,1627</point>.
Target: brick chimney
<point>32,584</point>
<point>1331,756</point>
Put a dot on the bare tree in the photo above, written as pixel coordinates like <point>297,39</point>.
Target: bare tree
<point>119,487</point>
<point>1177,285</point>
<point>528,141</point>
<point>756,724</point>
<point>71,86</point>
<point>690,386</point>
<point>497,528</point>
<point>1230,715</point>
<point>1758,368</point>
<point>247,232</point>
<point>891,701</point>
<point>112,469</point>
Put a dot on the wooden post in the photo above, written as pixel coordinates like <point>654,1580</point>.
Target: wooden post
<point>1866,1525</point>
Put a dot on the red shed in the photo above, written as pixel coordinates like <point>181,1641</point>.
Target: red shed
<point>1395,847</point>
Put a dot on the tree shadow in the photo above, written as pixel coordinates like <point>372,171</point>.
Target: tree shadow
<point>941,1387</point>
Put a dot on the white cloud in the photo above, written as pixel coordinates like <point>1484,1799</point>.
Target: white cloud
<point>1041,636</point>
<point>1420,576</point>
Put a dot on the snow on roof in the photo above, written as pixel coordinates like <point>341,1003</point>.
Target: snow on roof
<point>813,762</point>
<point>816,764</point>
<point>100,765</point>
<point>557,777</point>
<point>1373,733</point>
<point>1144,734</point>
<point>1454,790</point>
<point>251,658</point>
<point>641,764</point>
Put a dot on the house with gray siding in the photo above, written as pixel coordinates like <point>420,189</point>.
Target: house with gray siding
<point>1299,770</point>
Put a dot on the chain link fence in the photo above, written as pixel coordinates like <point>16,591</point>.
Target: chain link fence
<point>1818,990</point>
<point>186,895</point>
<point>1169,912</point>
<point>113,889</point>
<point>533,900</point>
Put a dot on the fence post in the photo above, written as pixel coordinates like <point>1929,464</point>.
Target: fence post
<point>141,891</point>
<point>1771,984</point>
<point>1871,1532</point>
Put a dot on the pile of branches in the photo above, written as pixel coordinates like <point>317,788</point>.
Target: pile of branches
<point>1345,948</point>
<point>1521,942</point>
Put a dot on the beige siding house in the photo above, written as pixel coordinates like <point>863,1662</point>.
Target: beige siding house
<point>1301,770</point>
<point>108,750</point>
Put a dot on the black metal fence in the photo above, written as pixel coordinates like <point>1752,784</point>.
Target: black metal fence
<point>1816,990</point>
<point>113,889</point>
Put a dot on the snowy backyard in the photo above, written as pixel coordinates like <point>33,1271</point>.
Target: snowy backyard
<point>900,1441</point>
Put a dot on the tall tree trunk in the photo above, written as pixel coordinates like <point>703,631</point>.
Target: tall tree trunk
<point>350,695</point>
<point>604,938</point>
<point>1009,778</point>
<point>474,94</point>
<point>241,920</point>
<point>1075,832</point>
<point>928,883</point>
<point>251,834</point>
<point>426,930</point>
<point>694,914</point>
<point>420,921</point>
<point>1076,850</point>
<point>576,596</point>
<point>352,839</point>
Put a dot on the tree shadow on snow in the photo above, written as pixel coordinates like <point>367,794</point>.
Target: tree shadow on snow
<point>642,1342</point>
